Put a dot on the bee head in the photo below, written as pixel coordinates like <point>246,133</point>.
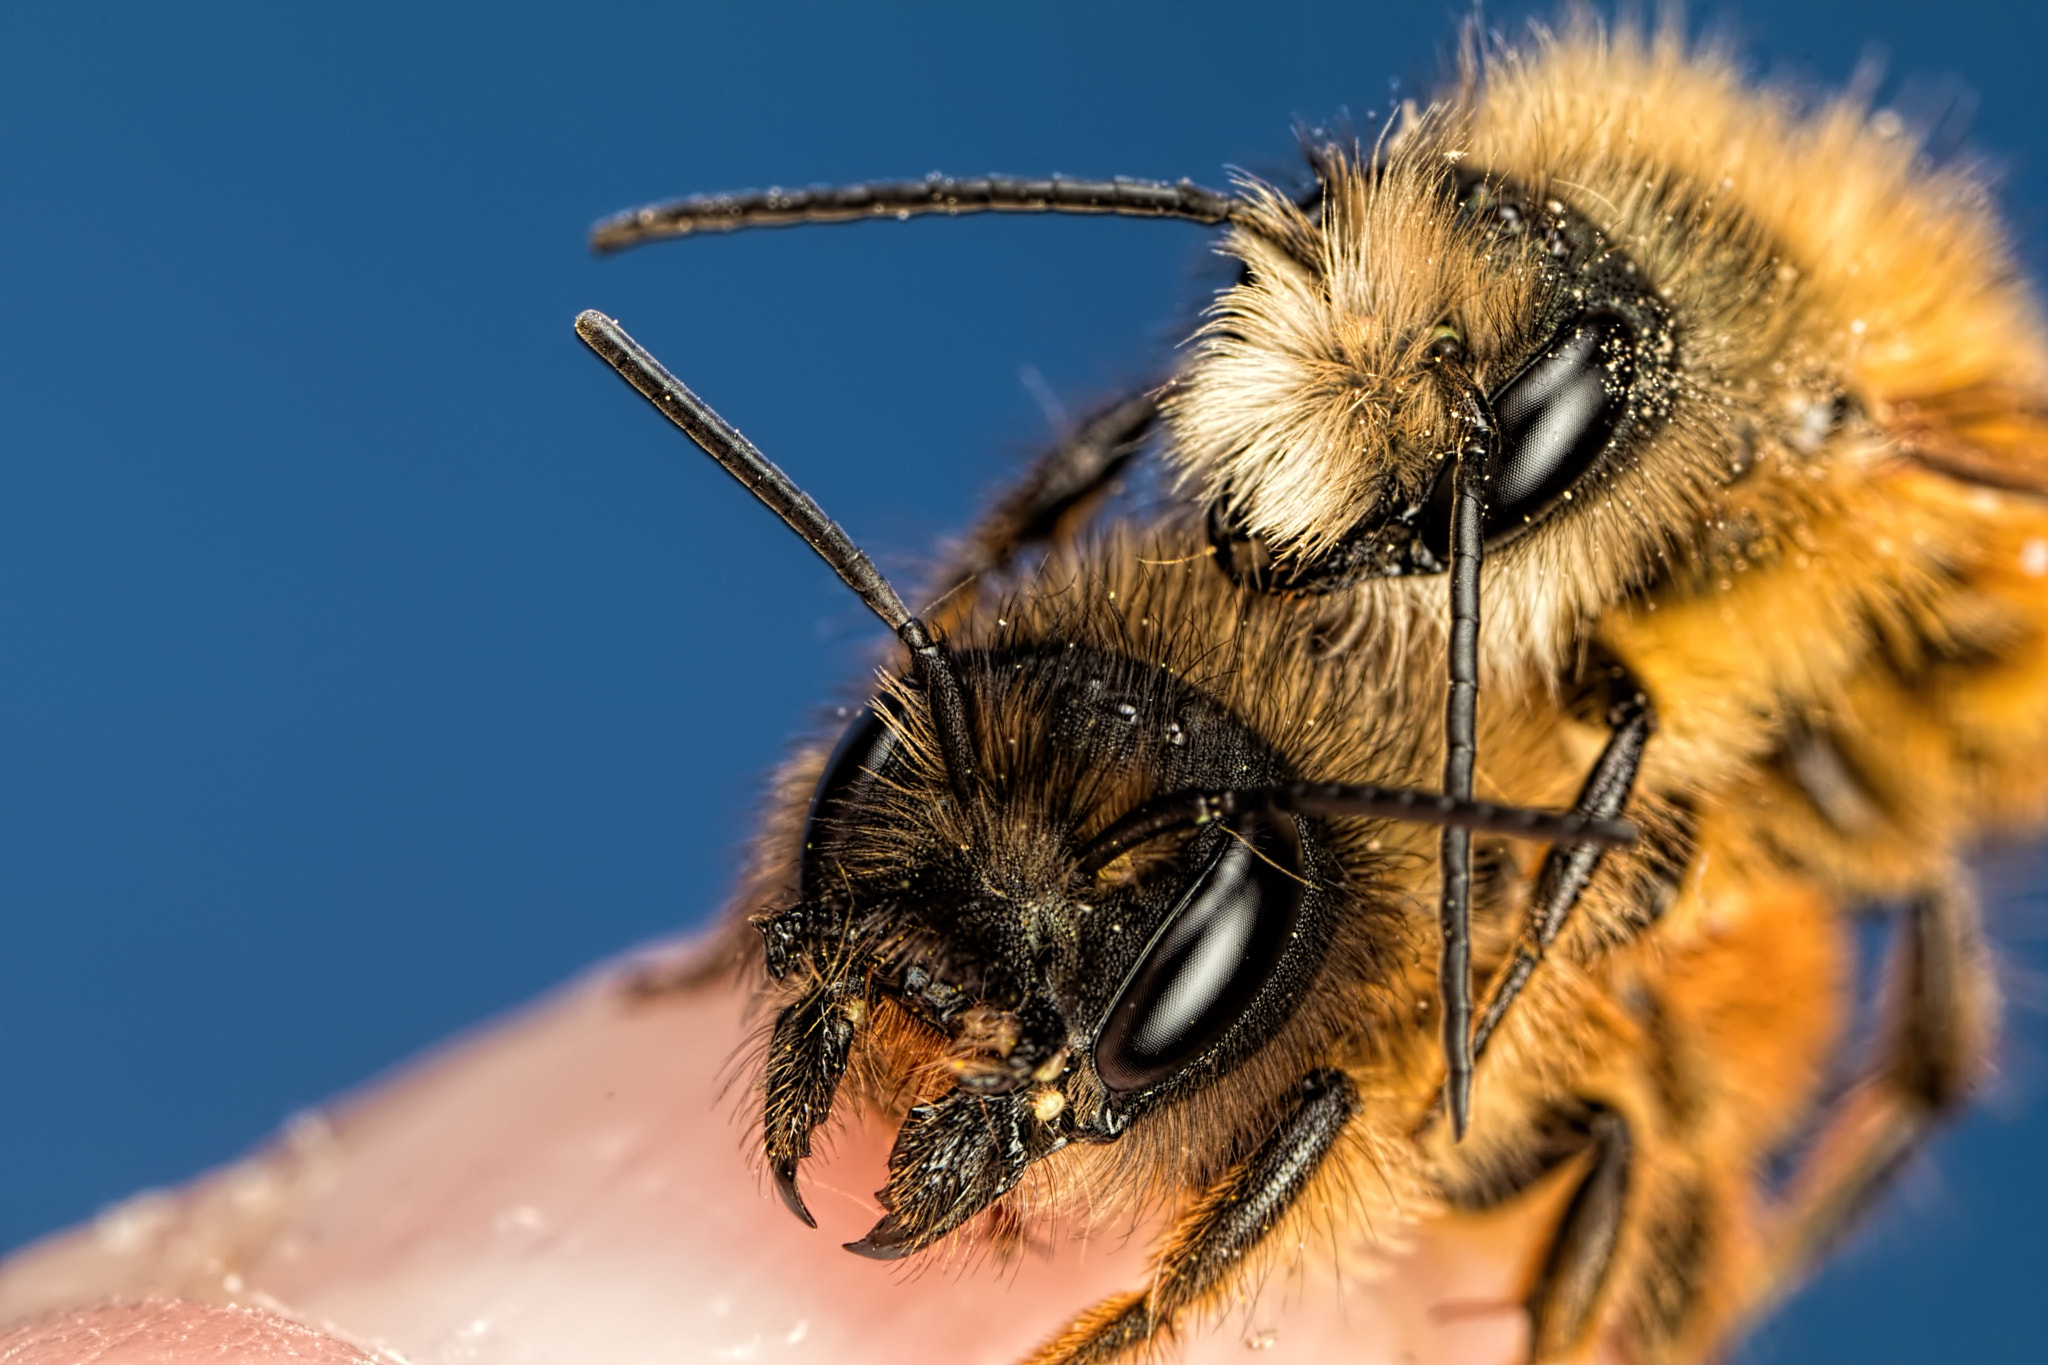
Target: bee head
<point>1309,415</point>
<point>1080,970</point>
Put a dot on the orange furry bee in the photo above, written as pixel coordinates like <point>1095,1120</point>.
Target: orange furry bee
<point>1112,897</point>
<point>1726,420</point>
<point>1661,373</point>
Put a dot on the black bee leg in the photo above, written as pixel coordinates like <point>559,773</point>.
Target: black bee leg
<point>1568,868</point>
<point>1564,1301</point>
<point>1936,1048</point>
<point>807,1057</point>
<point>1567,1290</point>
<point>1210,1245</point>
<point>952,1159</point>
<point>1058,487</point>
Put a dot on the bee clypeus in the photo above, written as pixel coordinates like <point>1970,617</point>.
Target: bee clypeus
<point>1114,898</point>
<point>1746,401</point>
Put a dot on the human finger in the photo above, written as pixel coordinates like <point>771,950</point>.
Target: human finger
<point>575,1183</point>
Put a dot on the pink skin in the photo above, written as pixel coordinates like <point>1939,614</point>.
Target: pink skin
<point>575,1184</point>
<point>171,1330</point>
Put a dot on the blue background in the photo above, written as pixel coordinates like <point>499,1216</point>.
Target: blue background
<point>370,661</point>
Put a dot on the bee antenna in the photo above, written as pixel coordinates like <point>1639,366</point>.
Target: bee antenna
<point>952,196</point>
<point>1478,450</point>
<point>1190,809</point>
<point>740,458</point>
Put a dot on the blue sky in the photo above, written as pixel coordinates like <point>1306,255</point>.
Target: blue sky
<point>371,662</point>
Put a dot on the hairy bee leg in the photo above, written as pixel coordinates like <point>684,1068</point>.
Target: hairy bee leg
<point>1057,486</point>
<point>952,1159</point>
<point>1943,1003</point>
<point>1210,1243</point>
<point>1567,1290</point>
<point>1568,869</point>
<point>1563,1300</point>
<point>807,1057</point>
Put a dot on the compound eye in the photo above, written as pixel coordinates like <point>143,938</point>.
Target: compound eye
<point>1209,959</point>
<point>1556,418</point>
<point>862,751</point>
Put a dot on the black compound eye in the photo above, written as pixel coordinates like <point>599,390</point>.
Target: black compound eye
<point>863,750</point>
<point>1557,416</point>
<point>1209,960</point>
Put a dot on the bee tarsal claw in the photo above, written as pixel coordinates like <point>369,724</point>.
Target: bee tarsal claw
<point>888,1240</point>
<point>785,1185</point>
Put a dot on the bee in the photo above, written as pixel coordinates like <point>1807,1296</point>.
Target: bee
<point>1665,375</point>
<point>1112,898</point>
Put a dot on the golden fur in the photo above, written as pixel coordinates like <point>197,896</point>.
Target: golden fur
<point>1827,567</point>
<point>1711,1033</point>
<point>1839,535</point>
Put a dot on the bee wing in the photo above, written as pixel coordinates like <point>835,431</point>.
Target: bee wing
<point>1992,435</point>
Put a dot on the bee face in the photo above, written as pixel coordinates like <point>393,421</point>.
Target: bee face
<point>1308,412</point>
<point>1072,984</point>
<point>1001,896</point>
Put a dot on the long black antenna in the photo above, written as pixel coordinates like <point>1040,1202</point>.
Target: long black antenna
<point>1476,448</point>
<point>740,458</point>
<point>1188,809</point>
<point>907,198</point>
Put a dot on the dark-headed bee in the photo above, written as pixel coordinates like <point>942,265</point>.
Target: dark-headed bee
<point>1743,400</point>
<point>1115,898</point>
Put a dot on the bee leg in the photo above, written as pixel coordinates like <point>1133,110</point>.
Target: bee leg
<point>1575,1270</point>
<point>1942,1005</point>
<point>1060,484</point>
<point>1567,870</point>
<point>1564,1300</point>
<point>952,1159</point>
<point>1209,1246</point>
<point>807,1056</point>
